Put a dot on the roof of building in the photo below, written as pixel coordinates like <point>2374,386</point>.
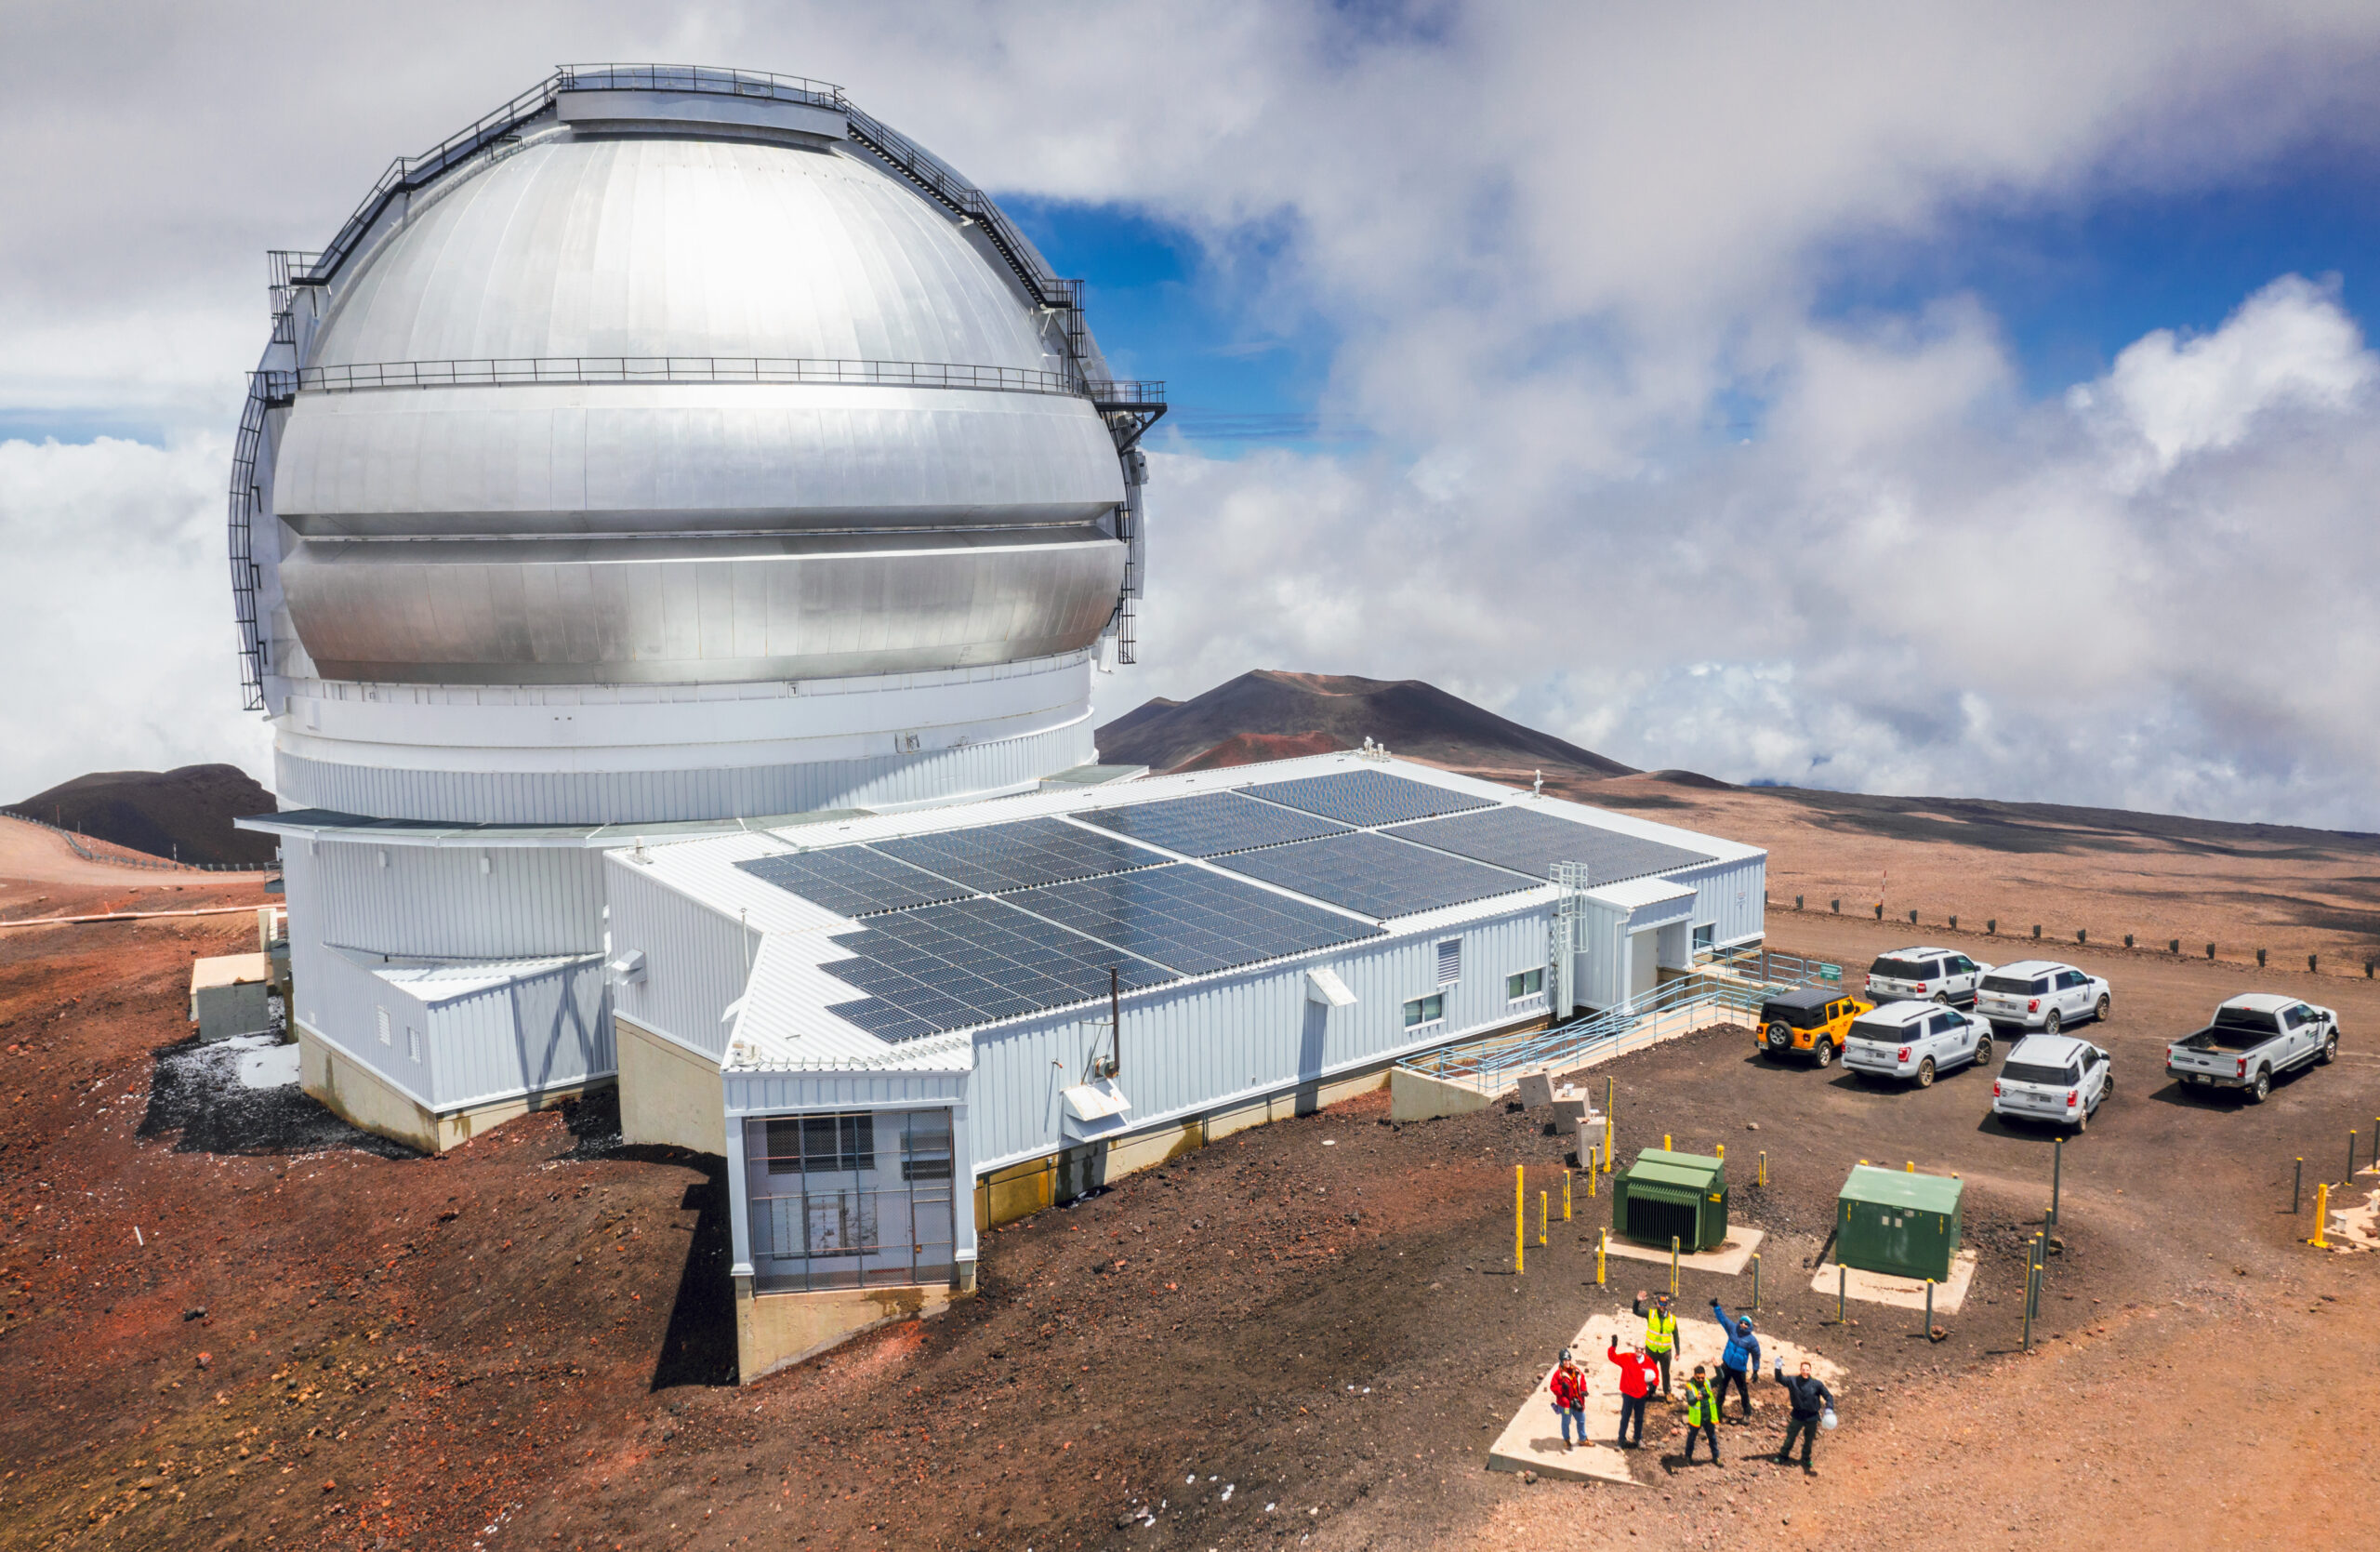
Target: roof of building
<point>1925,1193</point>
<point>1052,888</point>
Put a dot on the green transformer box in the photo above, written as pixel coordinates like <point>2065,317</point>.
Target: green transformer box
<point>1664,1194</point>
<point>1898,1223</point>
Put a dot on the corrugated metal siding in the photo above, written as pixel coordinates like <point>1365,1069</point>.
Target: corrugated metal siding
<point>629,797</point>
<point>540,1032</point>
<point>1731,895</point>
<point>434,903</point>
<point>341,1003</point>
<point>696,962</point>
<point>764,1094</point>
<point>1191,1048</point>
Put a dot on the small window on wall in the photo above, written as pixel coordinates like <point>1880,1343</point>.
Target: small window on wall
<point>925,1145</point>
<point>1527,983</point>
<point>1705,934</point>
<point>1449,962</point>
<point>819,1144</point>
<point>1425,1010</point>
<point>383,1024</point>
<point>412,1043</point>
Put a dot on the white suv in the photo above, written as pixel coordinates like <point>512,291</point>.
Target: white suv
<point>1939,974</point>
<point>2053,1077</point>
<point>2042,994</point>
<point>1914,1040</point>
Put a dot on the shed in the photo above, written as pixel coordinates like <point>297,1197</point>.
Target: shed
<point>1665,1195</point>
<point>227,996</point>
<point>1899,1222</point>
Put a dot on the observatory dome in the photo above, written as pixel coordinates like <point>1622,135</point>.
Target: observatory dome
<point>649,391</point>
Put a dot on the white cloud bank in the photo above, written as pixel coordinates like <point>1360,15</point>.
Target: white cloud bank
<point>1561,245</point>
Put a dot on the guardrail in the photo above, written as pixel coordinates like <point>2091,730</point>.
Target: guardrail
<point>1495,1064</point>
<point>82,846</point>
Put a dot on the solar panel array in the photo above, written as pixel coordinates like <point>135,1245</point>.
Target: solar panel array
<point>1375,875</point>
<point>1019,855</point>
<point>1191,920</point>
<point>1532,843</point>
<point>1212,824</point>
<point>971,961</point>
<point>1366,798</point>
<point>852,880</point>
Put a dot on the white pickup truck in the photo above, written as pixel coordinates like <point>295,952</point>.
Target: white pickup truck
<point>2253,1038</point>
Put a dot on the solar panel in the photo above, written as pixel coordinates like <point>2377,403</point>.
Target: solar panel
<point>852,880</point>
<point>1210,824</point>
<point>1530,841</point>
<point>1365,798</point>
<point>1191,920</point>
<point>1019,856</point>
<point>1375,875</point>
<point>969,962</point>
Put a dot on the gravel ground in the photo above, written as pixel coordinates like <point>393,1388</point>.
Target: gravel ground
<point>1305,1335</point>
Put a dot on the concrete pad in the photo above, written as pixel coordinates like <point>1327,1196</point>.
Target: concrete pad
<point>1533,1440</point>
<point>1418,1096</point>
<point>2355,1226</point>
<point>1901,1293</point>
<point>1732,1256</point>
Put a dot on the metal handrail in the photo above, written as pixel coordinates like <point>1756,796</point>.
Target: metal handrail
<point>279,386</point>
<point>1491,1063</point>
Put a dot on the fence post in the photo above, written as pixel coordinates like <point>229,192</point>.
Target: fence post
<point>1842,1290</point>
<point>2056,1176</point>
<point>1929,1309</point>
<point>1672,1265</point>
<point>1566,1196</point>
<point>1602,1244</point>
<point>1763,1166</point>
<point>1541,1217</point>
<point>1755,1282</point>
<point>2297,1190</point>
<point>1520,1218</point>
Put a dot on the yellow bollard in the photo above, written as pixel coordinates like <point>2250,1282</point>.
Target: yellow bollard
<point>1722,1153</point>
<point>1763,1166</point>
<point>1541,1217</point>
<point>1520,1218</point>
<point>1594,1168</point>
<point>2321,1214</point>
<point>1566,1196</point>
<point>1665,1144</point>
<point>1601,1245</point>
<point>1672,1265</point>
<point>1912,1166</point>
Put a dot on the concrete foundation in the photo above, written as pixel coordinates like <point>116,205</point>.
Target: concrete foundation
<point>669,1094</point>
<point>1727,1259</point>
<point>364,1099</point>
<point>775,1330</point>
<point>1900,1292</point>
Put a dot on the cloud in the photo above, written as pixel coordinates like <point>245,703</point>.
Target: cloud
<point>1603,464</point>
<point>121,647</point>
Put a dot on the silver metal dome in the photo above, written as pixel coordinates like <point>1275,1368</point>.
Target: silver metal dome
<point>677,387</point>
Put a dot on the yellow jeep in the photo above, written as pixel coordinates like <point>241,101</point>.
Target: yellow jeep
<point>1808,1018</point>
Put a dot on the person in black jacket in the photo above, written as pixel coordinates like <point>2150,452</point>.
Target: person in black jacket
<point>1810,1398</point>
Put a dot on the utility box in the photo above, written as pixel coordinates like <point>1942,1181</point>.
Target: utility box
<point>1898,1221</point>
<point>1665,1195</point>
<point>227,996</point>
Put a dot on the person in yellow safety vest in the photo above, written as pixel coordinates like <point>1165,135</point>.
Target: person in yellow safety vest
<point>1702,1416</point>
<point>1661,1337</point>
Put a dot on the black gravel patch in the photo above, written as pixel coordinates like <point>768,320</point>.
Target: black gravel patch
<point>196,1098</point>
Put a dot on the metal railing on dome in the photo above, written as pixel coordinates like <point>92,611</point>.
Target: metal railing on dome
<point>532,371</point>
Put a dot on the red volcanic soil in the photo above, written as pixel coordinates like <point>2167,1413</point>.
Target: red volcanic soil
<point>1250,749</point>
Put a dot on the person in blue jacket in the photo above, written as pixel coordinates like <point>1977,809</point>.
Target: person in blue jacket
<point>1740,1361</point>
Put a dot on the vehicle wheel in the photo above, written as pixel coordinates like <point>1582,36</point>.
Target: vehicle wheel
<point>1926,1073</point>
<point>1823,1053</point>
<point>2102,1011</point>
<point>1983,1051</point>
<point>1941,998</point>
<point>2049,1024</point>
<point>2107,1090</point>
<point>2083,1121</point>
<point>2329,1048</point>
<point>2261,1089</point>
<point>1780,1039</point>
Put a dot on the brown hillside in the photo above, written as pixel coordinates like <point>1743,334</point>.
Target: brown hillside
<point>186,812</point>
<point>1250,749</point>
<point>1419,721</point>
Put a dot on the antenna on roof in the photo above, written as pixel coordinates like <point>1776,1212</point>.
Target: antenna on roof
<point>1537,788</point>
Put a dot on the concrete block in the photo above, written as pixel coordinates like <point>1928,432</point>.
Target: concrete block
<point>1899,1293</point>
<point>1535,1090</point>
<point>1418,1096</point>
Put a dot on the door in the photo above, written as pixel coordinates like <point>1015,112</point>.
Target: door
<point>1964,972</point>
<point>2075,998</point>
<point>1644,960</point>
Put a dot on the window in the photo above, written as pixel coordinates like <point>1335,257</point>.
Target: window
<point>1425,1010</point>
<point>1963,966</point>
<point>2298,1015</point>
<point>815,1144</point>
<point>383,1024</point>
<point>1527,983</point>
<point>925,1146</point>
<point>1451,962</point>
<point>1705,934</point>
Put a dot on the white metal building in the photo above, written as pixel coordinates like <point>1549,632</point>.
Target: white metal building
<point>671,445</point>
<point>856,1155</point>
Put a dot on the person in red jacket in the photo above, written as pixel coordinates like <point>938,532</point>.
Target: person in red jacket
<point>1570,1387</point>
<point>1638,1374</point>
